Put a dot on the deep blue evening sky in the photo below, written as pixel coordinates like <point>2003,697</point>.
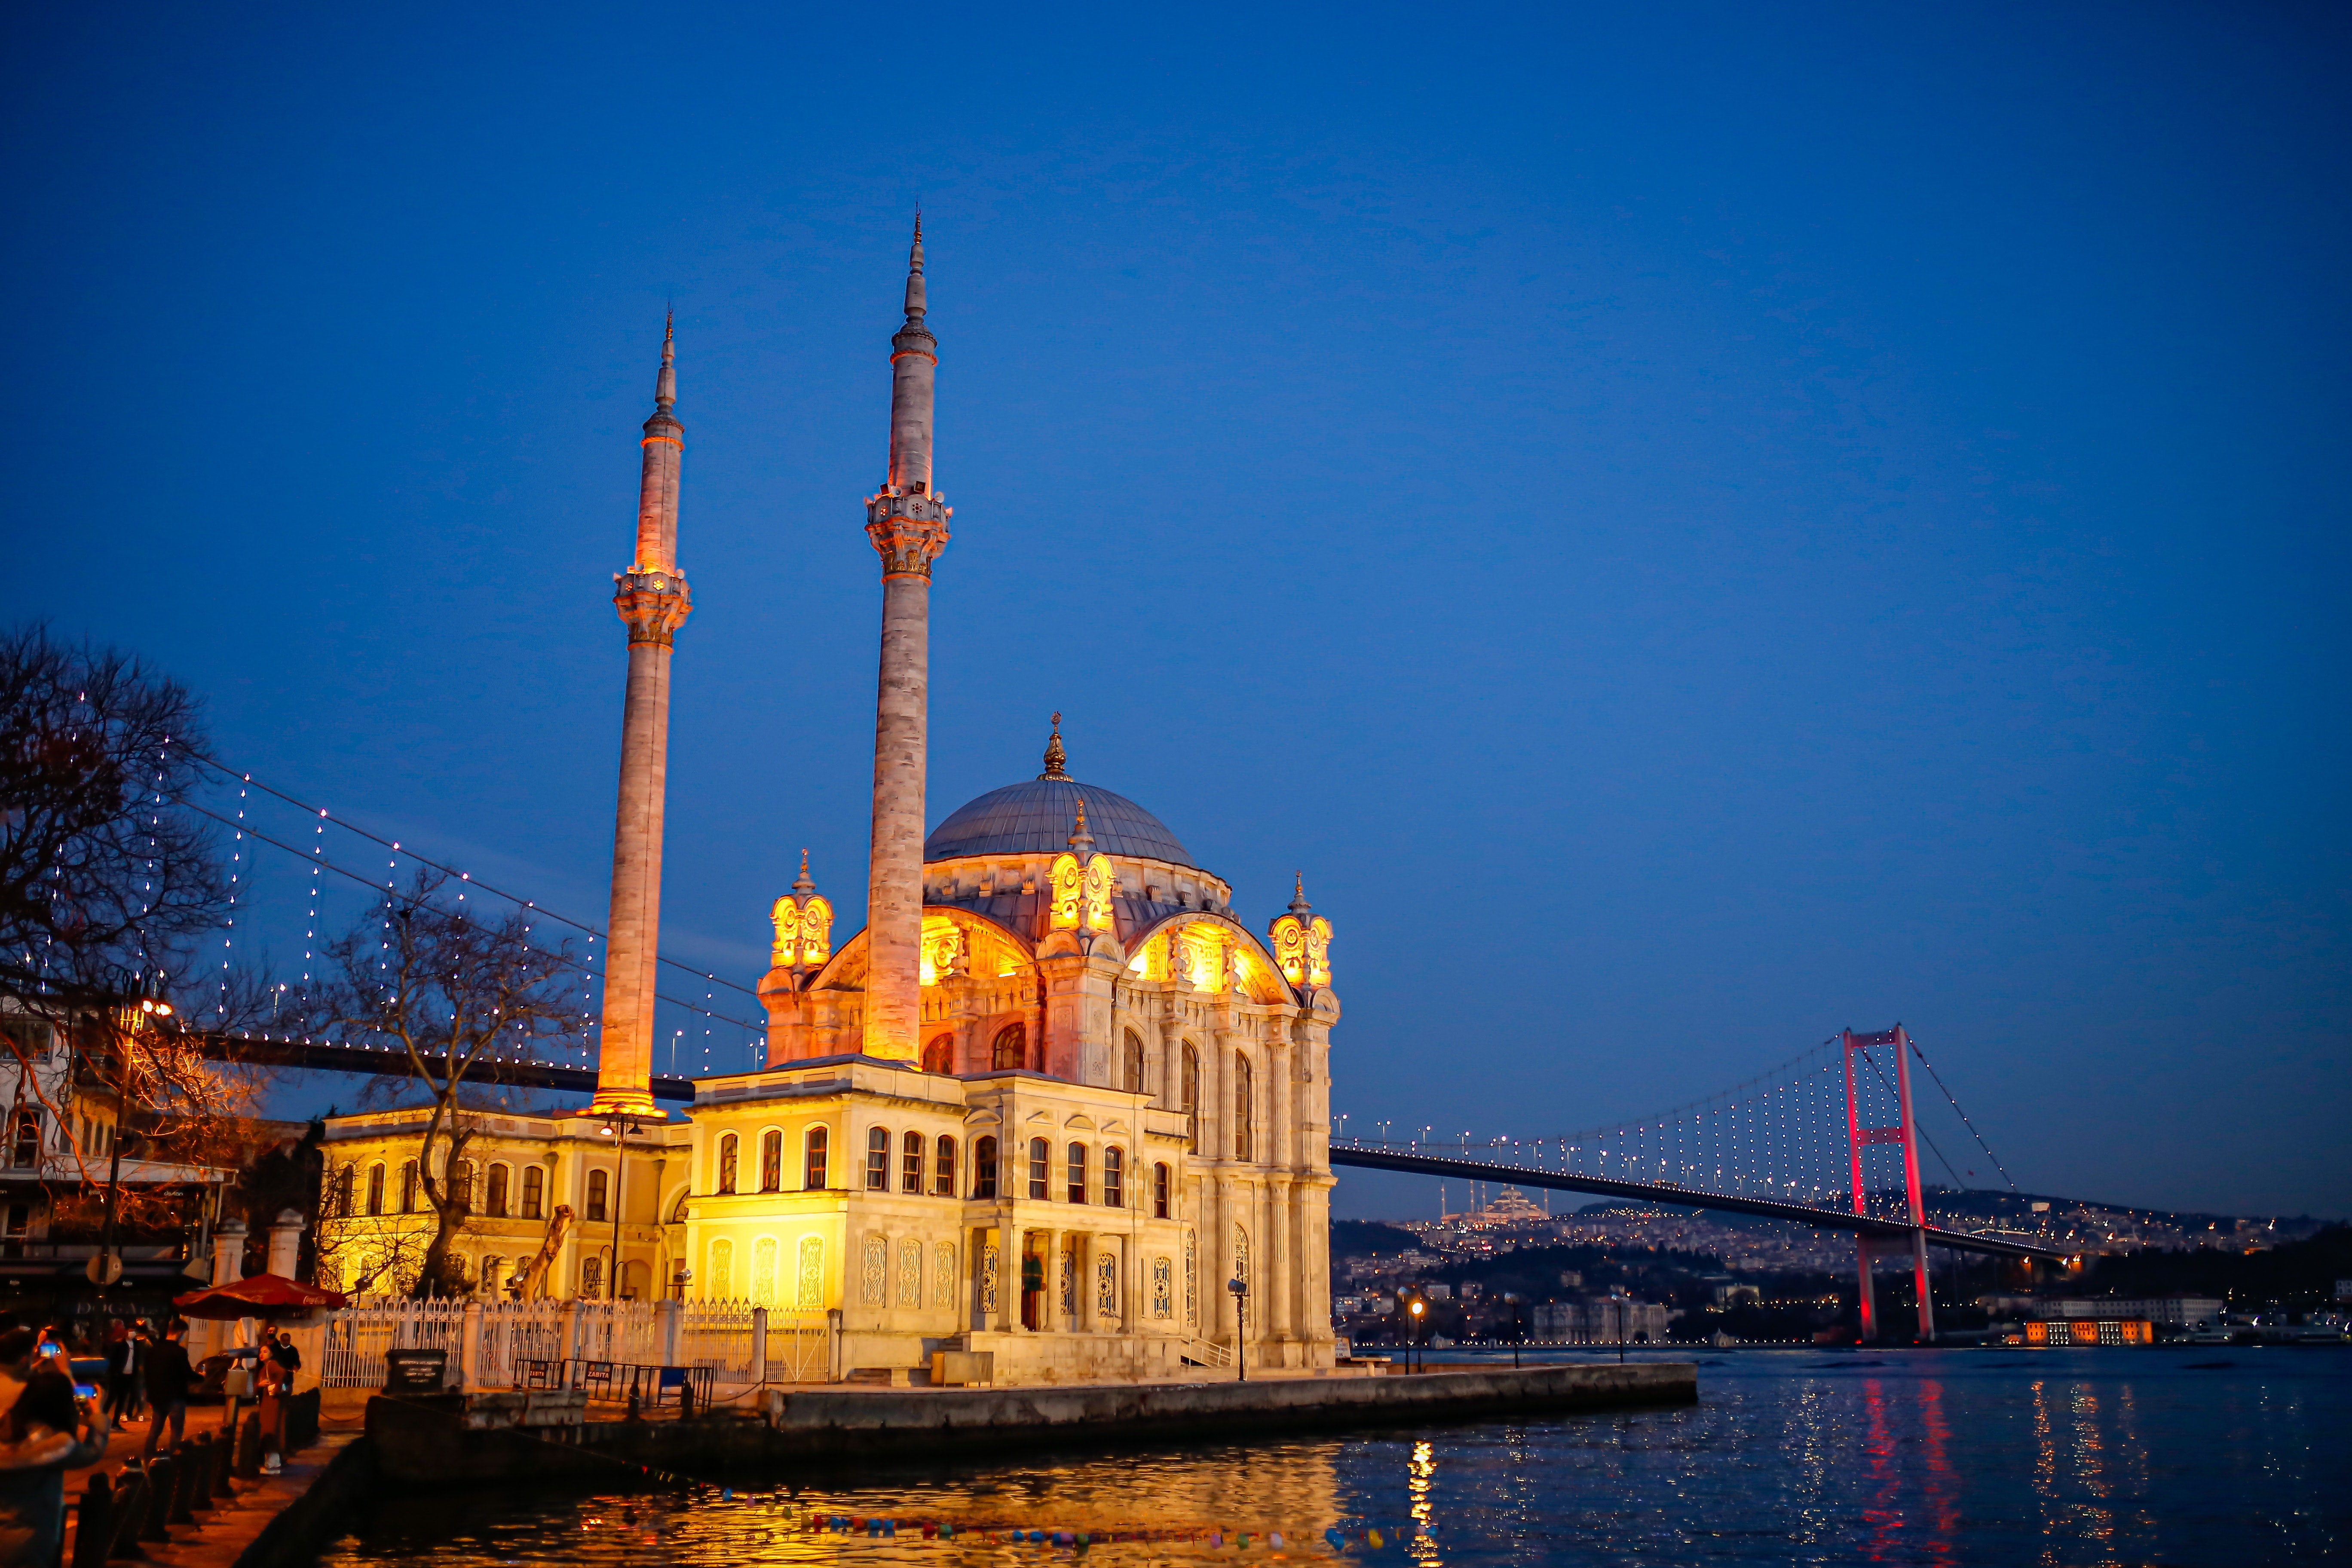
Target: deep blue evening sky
<point>1694,529</point>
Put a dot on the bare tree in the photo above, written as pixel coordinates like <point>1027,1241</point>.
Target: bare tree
<point>463,997</point>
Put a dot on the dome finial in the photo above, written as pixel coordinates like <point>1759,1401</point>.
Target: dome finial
<point>1055,756</point>
<point>1299,904</point>
<point>1082,843</point>
<point>801,883</point>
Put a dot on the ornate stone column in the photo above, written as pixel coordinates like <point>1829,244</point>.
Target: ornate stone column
<point>653,602</point>
<point>908,526</point>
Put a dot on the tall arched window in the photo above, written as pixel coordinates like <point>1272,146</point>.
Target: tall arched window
<point>495,1205</point>
<point>375,1188</point>
<point>726,1164</point>
<point>1077,1172</point>
<point>1114,1177</point>
<point>344,1182</point>
<point>1159,1191</point>
<point>812,1159</point>
<point>408,1187</point>
<point>771,1161</point>
<point>460,1186</point>
<point>910,1162</point>
<point>1012,1049</point>
<point>1244,1099</point>
<point>1131,1066</point>
<point>943,1169</point>
<point>24,1149</point>
<point>1190,1105</point>
<point>939,1055</point>
<point>983,1168</point>
<point>1041,1174</point>
<point>598,1185</point>
<point>534,1192</point>
<point>878,1160</point>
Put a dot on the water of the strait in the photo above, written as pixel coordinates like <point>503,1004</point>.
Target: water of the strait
<point>2221,1457</point>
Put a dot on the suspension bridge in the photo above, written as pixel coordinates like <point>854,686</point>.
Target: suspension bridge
<point>1830,1139</point>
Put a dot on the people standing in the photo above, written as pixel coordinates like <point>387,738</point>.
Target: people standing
<point>45,1432</point>
<point>123,1364</point>
<point>170,1376</point>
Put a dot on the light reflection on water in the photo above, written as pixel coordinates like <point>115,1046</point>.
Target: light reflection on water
<point>1945,1457</point>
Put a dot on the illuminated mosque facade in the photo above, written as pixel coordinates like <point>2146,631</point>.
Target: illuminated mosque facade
<point>1051,1103</point>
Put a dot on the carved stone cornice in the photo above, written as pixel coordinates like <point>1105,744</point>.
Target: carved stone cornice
<point>652,604</point>
<point>908,532</point>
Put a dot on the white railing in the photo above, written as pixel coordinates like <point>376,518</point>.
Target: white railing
<point>722,1337</point>
<point>357,1337</point>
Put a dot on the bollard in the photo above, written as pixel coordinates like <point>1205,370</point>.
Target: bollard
<point>128,1510</point>
<point>155,1519</point>
<point>686,1400</point>
<point>248,1448</point>
<point>182,1491</point>
<point>92,1527</point>
<point>199,1454</point>
<point>223,1452</point>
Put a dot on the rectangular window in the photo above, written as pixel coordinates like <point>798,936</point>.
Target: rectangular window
<point>1041,1159</point>
<point>1159,1191</point>
<point>943,1169</point>
<point>910,1164</point>
<point>812,1164</point>
<point>599,1183</point>
<point>1077,1172</point>
<point>983,1168</point>
<point>771,1162</point>
<point>878,1160</point>
<point>534,1189</point>
<point>1114,1178</point>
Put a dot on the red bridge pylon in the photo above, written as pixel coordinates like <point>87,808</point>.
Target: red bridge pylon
<point>1906,1132</point>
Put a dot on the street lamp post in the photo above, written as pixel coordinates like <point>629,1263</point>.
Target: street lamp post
<point>1417,1309</point>
<point>1240,1287</point>
<point>622,1124</point>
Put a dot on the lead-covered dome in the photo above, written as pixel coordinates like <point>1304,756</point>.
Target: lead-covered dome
<point>1035,817</point>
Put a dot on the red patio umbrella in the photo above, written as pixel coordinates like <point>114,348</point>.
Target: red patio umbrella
<point>257,1296</point>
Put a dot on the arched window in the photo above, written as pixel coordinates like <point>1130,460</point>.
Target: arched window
<point>592,1274</point>
<point>1040,1160</point>
<point>726,1164</point>
<point>943,1168</point>
<point>460,1186</point>
<point>495,1205</point>
<point>1159,1191</point>
<point>1190,1105</point>
<point>1244,1098</point>
<point>598,1185</point>
<point>408,1187</point>
<point>1131,1077</point>
<point>375,1188</point>
<point>1114,1178</point>
<point>812,1159</point>
<point>878,1160</point>
<point>534,1192</point>
<point>344,1181</point>
<point>1012,1049</point>
<point>939,1055</point>
<point>771,1161</point>
<point>910,1164</point>
<point>1077,1172</point>
<point>983,1168</point>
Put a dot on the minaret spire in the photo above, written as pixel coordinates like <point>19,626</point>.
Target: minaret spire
<point>653,603</point>
<point>908,526</point>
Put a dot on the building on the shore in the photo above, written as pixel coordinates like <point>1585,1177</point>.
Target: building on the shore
<point>1053,1102</point>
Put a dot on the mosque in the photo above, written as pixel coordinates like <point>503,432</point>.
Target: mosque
<point>1054,1102</point>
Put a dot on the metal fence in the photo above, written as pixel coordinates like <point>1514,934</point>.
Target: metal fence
<point>723,1342</point>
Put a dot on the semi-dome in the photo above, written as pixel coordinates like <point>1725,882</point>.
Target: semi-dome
<point>1035,817</point>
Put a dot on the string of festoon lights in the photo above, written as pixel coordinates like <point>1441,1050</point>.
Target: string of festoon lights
<point>236,869</point>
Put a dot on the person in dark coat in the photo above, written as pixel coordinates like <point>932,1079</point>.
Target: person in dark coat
<point>45,1432</point>
<point>170,1376</point>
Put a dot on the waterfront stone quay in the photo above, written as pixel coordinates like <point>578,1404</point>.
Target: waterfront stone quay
<point>460,1439</point>
<point>210,1504</point>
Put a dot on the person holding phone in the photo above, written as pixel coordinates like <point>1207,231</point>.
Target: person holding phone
<point>45,1432</point>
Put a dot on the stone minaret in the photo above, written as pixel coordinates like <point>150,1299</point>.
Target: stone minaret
<point>908,526</point>
<point>653,602</point>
